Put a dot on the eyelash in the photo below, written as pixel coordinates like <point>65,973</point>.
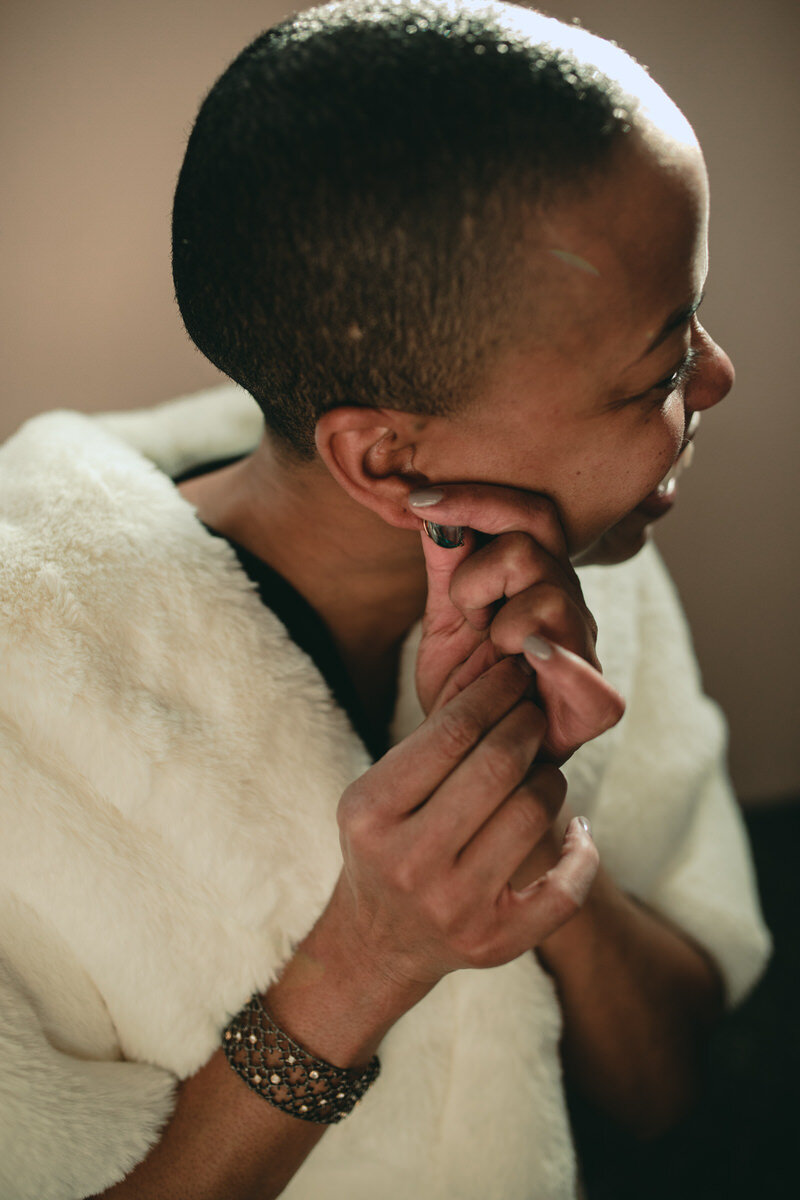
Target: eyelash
<point>678,379</point>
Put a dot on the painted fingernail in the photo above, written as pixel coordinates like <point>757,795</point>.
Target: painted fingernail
<point>537,647</point>
<point>423,499</point>
<point>585,826</point>
<point>448,536</point>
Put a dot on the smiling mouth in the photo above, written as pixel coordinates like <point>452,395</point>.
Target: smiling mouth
<point>670,480</point>
<point>661,499</point>
<point>685,455</point>
<point>691,431</point>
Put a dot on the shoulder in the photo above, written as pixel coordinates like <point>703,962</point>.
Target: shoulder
<point>86,523</point>
<point>107,579</point>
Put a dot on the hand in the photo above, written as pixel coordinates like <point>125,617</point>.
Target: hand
<point>434,832</point>
<point>486,597</point>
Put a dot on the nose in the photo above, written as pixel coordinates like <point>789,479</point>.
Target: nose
<point>715,376</point>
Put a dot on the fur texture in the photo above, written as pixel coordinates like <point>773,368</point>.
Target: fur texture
<point>171,766</point>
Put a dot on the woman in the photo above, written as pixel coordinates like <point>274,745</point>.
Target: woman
<point>456,259</point>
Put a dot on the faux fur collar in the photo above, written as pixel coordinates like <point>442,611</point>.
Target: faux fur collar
<point>171,769</point>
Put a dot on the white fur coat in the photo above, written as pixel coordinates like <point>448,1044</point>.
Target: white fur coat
<point>170,766</point>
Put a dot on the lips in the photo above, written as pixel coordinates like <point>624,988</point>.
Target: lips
<point>692,428</point>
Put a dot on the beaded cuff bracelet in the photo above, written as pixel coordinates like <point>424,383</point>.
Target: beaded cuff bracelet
<point>286,1075</point>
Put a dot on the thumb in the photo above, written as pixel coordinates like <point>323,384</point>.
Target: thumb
<point>441,562</point>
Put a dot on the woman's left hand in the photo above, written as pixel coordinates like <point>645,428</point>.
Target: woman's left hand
<point>487,596</point>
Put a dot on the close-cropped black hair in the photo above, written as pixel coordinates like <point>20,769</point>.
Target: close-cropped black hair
<point>349,216</point>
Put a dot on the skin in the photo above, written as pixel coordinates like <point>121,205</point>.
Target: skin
<point>551,476</point>
<point>342,529</point>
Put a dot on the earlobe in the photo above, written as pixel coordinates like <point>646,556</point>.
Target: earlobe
<point>370,454</point>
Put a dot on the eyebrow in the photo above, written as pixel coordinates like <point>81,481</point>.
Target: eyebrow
<point>673,321</point>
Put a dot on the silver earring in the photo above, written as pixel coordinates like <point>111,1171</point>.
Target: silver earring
<point>450,537</point>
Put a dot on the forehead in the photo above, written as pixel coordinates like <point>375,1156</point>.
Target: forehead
<point>608,268</point>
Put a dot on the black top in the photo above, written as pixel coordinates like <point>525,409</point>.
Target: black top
<point>303,624</point>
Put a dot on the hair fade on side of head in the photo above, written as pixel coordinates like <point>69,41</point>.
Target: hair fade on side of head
<point>350,214</point>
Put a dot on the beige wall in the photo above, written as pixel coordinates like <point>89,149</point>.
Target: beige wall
<point>96,100</point>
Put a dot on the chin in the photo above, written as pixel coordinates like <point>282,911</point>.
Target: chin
<point>619,543</point>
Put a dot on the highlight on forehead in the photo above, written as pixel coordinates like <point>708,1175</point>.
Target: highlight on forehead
<point>574,260</point>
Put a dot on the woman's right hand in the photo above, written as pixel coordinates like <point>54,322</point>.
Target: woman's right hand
<point>433,833</point>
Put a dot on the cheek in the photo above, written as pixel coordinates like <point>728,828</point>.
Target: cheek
<point>644,446</point>
<point>608,484</point>
<point>661,439</point>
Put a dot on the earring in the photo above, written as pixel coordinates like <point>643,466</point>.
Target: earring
<point>449,537</point>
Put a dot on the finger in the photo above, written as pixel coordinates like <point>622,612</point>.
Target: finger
<point>440,565</point>
<point>485,655</point>
<point>547,610</point>
<point>547,903</point>
<point>508,565</point>
<point>500,846</point>
<point>579,703</point>
<point>481,783</point>
<point>493,509</point>
<point>408,773</point>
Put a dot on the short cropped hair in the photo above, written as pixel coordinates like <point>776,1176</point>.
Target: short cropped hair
<point>350,212</point>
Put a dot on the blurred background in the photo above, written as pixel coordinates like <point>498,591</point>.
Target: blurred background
<point>97,98</point>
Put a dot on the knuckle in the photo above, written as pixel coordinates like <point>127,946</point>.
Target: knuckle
<point>458,731</point>
<point>355,818</point>
<point>404,876</point>
<point>358,833</point>
<point>480,955</point>
<point>443,912</point>
<point>612,714</point>
<point>526,816</point>
<point>505,763</point>
<point>553,603</point>
<point>564,897</point>
<point>470,940</point>
<point>348,807</point>
<point>518,550</point>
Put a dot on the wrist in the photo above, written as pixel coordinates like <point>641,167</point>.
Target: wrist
<point>332,999</point>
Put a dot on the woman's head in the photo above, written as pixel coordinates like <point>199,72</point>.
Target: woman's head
<point>349,216</point>
<point>467,222</point>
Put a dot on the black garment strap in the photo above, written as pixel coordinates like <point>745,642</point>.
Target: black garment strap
<point>303,624</point>
<point>306,628</point>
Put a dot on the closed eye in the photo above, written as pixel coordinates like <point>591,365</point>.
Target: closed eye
<point>658,392</point>
<point>680,376</point>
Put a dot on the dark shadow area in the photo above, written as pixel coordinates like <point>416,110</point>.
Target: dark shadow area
<point>741,1139</point>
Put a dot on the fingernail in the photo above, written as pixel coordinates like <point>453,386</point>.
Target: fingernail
<point>585,826</point>
<point>537,647</point>
<point>422,499</point>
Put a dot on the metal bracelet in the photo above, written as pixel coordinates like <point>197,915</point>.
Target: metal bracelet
<point>286,1075</point>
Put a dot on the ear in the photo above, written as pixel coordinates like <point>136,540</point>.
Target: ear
<point>370,454</point>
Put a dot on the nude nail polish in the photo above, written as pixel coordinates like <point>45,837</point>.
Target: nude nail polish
<point>422,499</point>
<point>537,647</point>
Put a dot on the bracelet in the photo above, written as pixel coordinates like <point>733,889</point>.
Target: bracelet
<point>286,1075</point>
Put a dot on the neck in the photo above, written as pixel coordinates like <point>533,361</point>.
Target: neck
<point>365,579</point>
